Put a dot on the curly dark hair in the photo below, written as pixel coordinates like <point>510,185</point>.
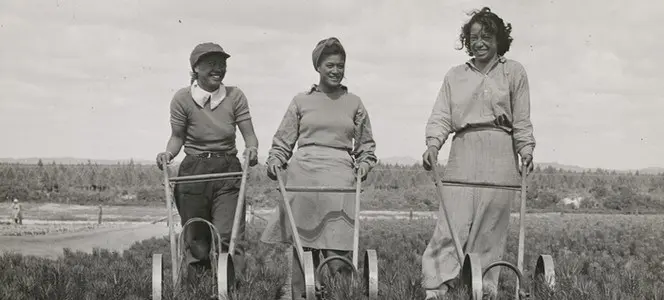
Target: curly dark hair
<point>331,50</point>
<point>492,24</point>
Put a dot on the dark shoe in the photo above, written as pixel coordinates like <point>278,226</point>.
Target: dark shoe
<point>199,249</point>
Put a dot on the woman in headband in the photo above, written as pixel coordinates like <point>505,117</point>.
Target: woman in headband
<point>332,129</point>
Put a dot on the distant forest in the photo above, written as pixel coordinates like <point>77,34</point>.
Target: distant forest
<point>388,187</point>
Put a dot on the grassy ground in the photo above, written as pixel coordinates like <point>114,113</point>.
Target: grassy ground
<point>597,257</point>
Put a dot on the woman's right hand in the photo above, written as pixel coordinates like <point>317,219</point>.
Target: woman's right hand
<point>430,157</point>
<point>272,169</point>
<point>163,158</point>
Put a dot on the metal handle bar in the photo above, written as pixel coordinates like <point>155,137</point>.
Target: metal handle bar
<point>482,185</point>
<point>321,189</point>
<point>205,177</point>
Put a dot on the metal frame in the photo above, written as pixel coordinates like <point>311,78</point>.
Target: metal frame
<point>222,263</point>
<point>471,272</point>
<point>370,274</point>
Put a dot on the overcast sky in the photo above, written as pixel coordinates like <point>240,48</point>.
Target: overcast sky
<point>93,79</point>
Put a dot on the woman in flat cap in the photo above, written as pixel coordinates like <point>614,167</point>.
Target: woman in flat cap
<point>485,102</point>
<point>204,117</point>
<point>332,129</point>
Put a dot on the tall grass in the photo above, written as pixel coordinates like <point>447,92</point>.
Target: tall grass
<point>597,257</point>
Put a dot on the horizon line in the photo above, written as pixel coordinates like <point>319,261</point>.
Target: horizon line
<point>380,161</point>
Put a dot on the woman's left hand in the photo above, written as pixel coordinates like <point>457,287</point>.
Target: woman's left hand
<point>527,161</point>
<point>363,170</point>
<point>251,154</point>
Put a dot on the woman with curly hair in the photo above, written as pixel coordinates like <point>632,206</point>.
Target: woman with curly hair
<point>332,129</point>
<point>485,102</point>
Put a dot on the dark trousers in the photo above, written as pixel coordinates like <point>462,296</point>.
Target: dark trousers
<point>214,201</point>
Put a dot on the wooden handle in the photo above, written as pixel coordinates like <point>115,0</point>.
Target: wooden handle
<point>239,208</point>
<point>522,214</point>
<point>289,213</point>
<point>171,233</point>
<point>457,243</point>
<point>356,233</point>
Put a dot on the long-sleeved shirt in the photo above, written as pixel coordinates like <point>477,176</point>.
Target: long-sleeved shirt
<point>469,98</point>
<point>337,121</point>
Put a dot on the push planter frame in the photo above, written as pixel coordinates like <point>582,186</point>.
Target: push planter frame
<point>472,273</point>
<point>312,277</point>
<point>222,263</point>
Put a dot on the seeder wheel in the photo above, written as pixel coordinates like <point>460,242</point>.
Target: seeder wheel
<point>471,276</point>
<point>371,273</point>
<point>545,271</point>
<point>319,286</point>
<point>157,276</point>
<point>521,293</point>
<point>225,275</point>
<point>309,275</point>
<point>222,263</point>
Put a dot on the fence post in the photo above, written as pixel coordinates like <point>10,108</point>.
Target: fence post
<point>99,218</point>
<point>249,215</point>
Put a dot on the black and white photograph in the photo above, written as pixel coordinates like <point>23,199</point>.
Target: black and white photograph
<point>331,150</point>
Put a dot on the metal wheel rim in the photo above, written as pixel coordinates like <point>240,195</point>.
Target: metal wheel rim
<point>329,259</point>
<point>545,270</point>
<point>225,276</point>
<point>514,269</point>
<point>309,276</point>
<point>215,248</point>
<point>471,276</point>
<point>371,274</point>
<point>157,276</point>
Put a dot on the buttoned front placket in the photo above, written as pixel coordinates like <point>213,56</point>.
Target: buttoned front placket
<point>490,89</point>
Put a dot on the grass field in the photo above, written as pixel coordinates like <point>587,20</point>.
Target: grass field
<point>597,257</point>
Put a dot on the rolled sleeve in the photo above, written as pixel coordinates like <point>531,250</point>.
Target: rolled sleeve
<point>178,113</point>
<point>241,109</point>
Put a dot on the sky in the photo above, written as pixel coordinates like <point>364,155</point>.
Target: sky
<point>94,79</point>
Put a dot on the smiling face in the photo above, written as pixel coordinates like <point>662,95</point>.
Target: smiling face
<point>482,43</point>
<point>331,70</point>
<point>211,70</point>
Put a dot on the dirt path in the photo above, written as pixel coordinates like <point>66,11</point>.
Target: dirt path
<point>123,236</point>
<point>51,246</point>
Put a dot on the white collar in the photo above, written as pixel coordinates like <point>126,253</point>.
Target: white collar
<point>201,96</point>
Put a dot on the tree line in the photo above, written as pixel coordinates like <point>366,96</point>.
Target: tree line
<point>388,187</point>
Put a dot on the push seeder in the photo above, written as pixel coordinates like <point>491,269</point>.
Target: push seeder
<point>221,263</point>
<point>312,277</point>
<point>471,274</point>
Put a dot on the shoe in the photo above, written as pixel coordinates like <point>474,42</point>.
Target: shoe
<point>488,292</point>
<point>438,294</point>
<point>199,249</point>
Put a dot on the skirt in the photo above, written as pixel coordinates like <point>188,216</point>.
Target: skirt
<point>323,220</point>
<point>479,215</point>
